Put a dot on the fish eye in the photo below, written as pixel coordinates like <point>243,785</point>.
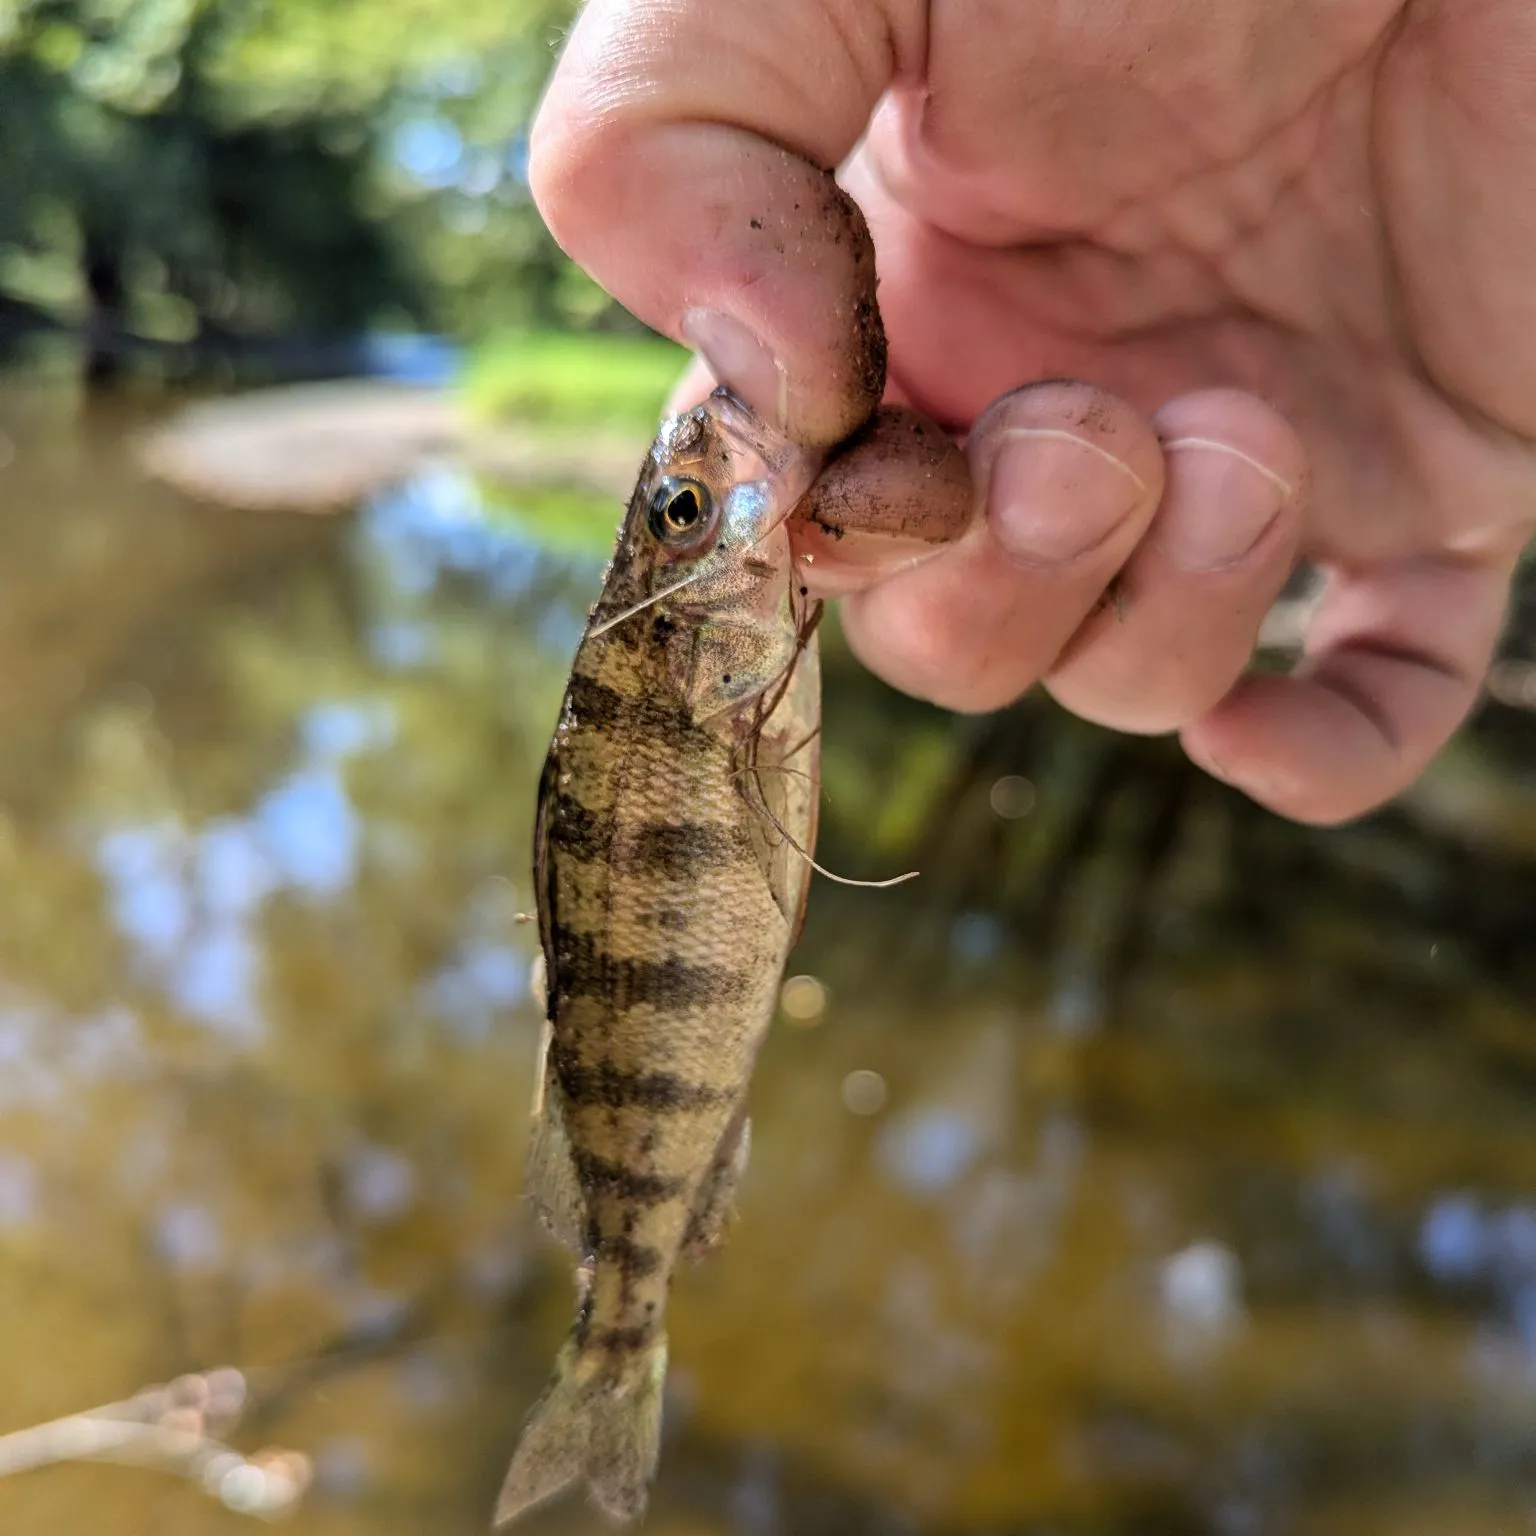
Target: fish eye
<point>681,510</point>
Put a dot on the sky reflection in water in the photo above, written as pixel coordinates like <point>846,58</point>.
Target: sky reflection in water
<point>189,903</point>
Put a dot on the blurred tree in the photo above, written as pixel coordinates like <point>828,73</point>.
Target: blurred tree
<point>219,171</point>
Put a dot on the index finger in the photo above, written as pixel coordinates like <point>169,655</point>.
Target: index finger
<point>684,157</point>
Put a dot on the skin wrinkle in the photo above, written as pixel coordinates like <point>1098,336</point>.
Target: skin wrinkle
<point>1377,326</point>
<point>877,63</point>
<point>1441,391</point>
<point>1188,195</point>
<point>1245,238</point>
<point>854,73</point>
<point>1448,376</point>
<point>1408,655</point>
<point>1359,699</point>
<point>1218,261</point>
<point>1218,151</point>
<point>1368,608</point>
<point>1437,478</point>
<point>910,387</point>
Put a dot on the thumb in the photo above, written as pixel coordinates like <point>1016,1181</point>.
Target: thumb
<point>684,157</point>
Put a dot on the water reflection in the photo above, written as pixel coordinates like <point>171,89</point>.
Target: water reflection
<point>1148,1167</point>
<point>188,902</point>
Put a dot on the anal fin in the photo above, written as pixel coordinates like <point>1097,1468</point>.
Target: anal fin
<point>552,1183</point>
<point>717,1194</point>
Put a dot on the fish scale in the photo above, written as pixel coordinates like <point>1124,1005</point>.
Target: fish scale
<point>676,816</point>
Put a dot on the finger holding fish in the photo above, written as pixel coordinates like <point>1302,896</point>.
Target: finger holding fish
<point>896,494</point>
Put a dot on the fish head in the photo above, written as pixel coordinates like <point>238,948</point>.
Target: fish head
<point>703,572</point>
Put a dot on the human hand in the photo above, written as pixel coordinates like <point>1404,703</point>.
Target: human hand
<point>1287,243</point>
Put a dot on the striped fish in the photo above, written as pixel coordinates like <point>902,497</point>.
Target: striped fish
<point>677,796</point>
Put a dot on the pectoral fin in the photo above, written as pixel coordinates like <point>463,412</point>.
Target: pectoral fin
<point>552,1183</point>
<point>787,783</point>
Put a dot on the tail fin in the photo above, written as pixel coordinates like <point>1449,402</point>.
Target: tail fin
<point>593,1425</point>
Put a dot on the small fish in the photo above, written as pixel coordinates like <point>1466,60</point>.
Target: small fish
<point>676,818</point>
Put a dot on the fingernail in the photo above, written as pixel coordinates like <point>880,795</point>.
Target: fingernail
<point>739,360</point>
<point>1226,503</point>
<point>1052,496</point>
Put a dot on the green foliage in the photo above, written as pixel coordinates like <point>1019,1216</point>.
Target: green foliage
<point>278,167</point>
<point>593,381</point>
<point>362,57</point>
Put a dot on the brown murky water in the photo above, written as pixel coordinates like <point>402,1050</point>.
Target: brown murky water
<point>1148,1167</point>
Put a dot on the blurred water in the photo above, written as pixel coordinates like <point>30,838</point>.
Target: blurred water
<point>1148,1167</point>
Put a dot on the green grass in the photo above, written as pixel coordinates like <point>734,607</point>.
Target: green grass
<point>573,380</point>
